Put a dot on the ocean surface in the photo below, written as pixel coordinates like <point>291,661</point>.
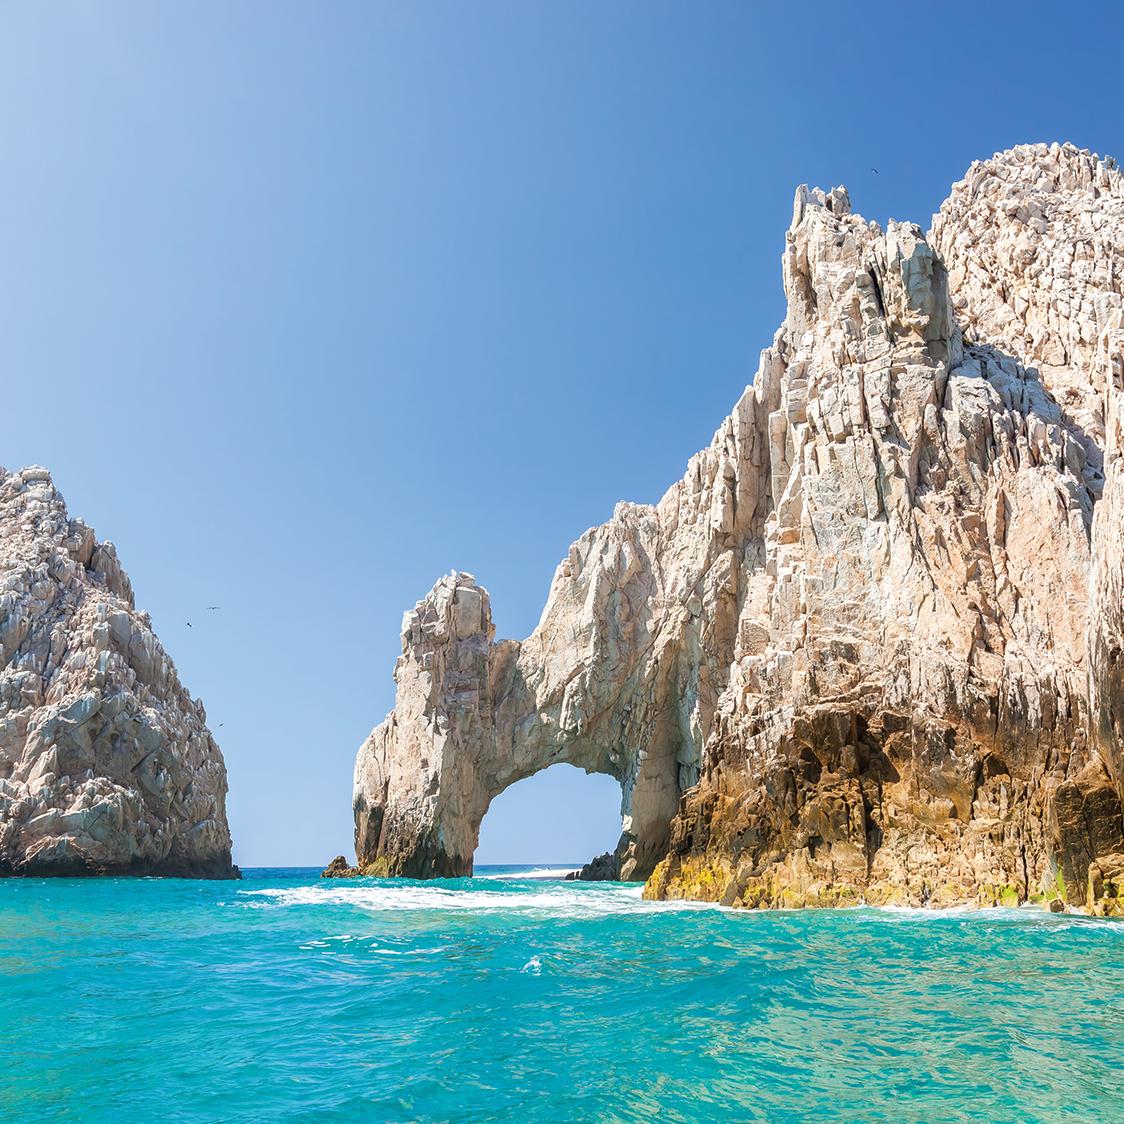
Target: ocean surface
<point>515,995</point>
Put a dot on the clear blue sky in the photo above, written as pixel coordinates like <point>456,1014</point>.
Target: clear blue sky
<point>307,304</point>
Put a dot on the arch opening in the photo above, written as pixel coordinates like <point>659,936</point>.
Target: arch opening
<point>558,818</point>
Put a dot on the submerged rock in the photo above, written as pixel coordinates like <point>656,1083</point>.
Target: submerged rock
<point>339,867</point>
<point>604,868</point>
<point>869,647</point>
<point>106,762</point>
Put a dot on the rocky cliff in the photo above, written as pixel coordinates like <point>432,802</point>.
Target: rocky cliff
<point>870,646</point>
<point>106,762</point>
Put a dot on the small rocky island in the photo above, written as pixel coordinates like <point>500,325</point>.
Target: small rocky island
<point>106,762</point>
<point>339,867</point>
<point>604,868</point>
<point>871,646</point>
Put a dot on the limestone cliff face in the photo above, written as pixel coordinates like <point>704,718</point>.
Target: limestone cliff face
<point>870,645</point>
<point>1106,608</point>
<point>106,763</point>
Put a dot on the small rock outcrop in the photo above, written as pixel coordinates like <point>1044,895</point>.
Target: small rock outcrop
<point>604,868</point>
<point>106,762</point>
<point>870,646</point>
<point>339,867</point>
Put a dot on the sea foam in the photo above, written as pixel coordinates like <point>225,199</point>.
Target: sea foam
<point>566,899</point>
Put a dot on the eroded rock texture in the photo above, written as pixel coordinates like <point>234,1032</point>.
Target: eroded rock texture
<point>106,762</point>
<point>603,868</point>
<point>870,645</point>
<point>472,717</point>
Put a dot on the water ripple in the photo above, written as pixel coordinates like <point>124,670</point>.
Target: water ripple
<point>289,998</point>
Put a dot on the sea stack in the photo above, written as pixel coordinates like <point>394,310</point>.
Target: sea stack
<point>869,648</point>
<point>106,762</point>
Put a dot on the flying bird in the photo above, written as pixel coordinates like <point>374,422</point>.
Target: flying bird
<point>189,624</point>
<point>874,170</point>
<point>212,608</point>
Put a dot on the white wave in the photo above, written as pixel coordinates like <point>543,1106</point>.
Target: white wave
<point>564,900</point>
<point>931,913</point>
<point>1028,914</point>
<point>558,872</point>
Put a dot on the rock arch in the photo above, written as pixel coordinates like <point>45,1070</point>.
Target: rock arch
<point>623,674</point>
<point>473,717</point>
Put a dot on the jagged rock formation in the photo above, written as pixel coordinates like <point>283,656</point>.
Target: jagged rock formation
<point>1106,618</point>
<point>339,867</point>
<point>869,647</point>
<point>604,868</point>
<point>106,762</point>
<point>472,717</point>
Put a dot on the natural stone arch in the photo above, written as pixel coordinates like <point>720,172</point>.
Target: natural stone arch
<point>622,675</point>
<point>472,717</point>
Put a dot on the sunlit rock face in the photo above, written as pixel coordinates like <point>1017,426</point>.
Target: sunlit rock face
<point>869,647</point>
<point>472,717</point>
<point>106,762</point>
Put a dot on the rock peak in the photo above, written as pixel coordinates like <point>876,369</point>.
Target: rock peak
<point>837,202</point>
<point>106,762</point>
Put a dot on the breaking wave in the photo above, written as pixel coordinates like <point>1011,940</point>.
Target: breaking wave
<point>550,872</point>
<point>568,899</point>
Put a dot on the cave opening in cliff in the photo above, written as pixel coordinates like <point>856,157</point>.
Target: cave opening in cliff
<point>561,817</point>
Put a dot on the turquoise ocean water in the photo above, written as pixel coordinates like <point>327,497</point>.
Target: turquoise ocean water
<point>285,997</point>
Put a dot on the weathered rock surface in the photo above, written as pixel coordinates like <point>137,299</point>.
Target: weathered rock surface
<point>339,867</point>
<point>870,645</point>
<point>604,868</point>
<point>106,762</point>
<point>472,717</point>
